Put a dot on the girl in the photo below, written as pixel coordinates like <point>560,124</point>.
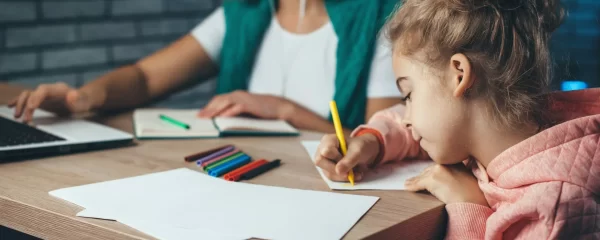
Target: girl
<point>475,73</point>
<point>275,59</point>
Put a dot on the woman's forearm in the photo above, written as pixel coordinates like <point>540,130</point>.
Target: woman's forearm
<point>160,73</point>
<point>125,87</point>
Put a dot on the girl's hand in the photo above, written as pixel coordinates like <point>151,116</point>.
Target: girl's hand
<point>242,102</point>
<point>362,152</point>
<point>449,183</point>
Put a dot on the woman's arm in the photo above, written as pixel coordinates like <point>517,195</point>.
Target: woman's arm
<point>125,87</point>
<point>151,77</point>
<point>190,57</point>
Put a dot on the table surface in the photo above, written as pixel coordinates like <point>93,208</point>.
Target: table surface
<point>26,206</point>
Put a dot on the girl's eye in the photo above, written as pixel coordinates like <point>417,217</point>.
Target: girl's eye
<point>407,97</point>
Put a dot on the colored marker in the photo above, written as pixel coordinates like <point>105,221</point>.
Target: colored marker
<point>174,122</point>
<point>219,163</point>
<point>260,170</point>
<point>219,158</point>
<point>337,123</point>
<point>229,166</point>
<point>236,174</point>
<point>215,154</point>
<point>196,156</point>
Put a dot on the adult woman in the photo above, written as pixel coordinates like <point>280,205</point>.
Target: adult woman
<point>275,59</point>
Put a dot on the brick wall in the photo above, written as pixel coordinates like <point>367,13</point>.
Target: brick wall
<point>576,44</point>
<point>75,41</point>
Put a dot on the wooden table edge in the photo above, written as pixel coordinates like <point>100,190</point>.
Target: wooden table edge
<point>40,223</point>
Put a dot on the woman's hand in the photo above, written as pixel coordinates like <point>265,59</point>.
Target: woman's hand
<point>58,98</point>
<point>242,102</point>
<point>449,183</point>
<point>362,152</point>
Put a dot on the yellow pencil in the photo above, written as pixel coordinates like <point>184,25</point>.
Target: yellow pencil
<point>339,131</point>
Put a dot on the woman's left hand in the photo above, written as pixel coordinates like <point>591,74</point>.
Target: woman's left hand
<point>449,183</point>
<point>242,102</point>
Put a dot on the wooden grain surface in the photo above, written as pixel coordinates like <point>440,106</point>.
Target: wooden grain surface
<point>26,206</point>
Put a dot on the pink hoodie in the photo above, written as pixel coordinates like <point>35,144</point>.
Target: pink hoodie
<point>546,187</point>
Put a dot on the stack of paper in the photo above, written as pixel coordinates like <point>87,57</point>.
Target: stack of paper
<point>385,177</point>
<point>185,204</point>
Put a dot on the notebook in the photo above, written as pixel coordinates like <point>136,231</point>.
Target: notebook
<point>148,125</point>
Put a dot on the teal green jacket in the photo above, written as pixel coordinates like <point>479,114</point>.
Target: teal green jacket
<point>357,24</point>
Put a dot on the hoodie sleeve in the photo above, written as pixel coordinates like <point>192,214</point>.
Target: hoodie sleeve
<point>396,139</point>
<point>467,220</point>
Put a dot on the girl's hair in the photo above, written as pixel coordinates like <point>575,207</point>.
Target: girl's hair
<point>506,42</point>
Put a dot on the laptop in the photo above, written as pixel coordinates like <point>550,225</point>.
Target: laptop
<point>51,135</point>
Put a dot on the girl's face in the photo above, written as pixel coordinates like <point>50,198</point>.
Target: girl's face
<point>438,119</point>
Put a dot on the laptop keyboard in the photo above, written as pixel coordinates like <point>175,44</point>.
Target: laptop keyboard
<point>13,133</point>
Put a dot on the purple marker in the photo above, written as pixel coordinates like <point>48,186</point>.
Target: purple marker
<point>216,154</point>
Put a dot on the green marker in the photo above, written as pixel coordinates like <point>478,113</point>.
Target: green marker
<point>174,122</point>
<point>225,160</point>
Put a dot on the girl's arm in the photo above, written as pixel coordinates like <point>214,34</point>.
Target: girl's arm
<point>396,140</point>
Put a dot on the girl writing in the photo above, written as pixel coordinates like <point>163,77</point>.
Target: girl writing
<point>475,75</point>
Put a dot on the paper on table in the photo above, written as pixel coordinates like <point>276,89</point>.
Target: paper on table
<point>164,231</point>
<point>161,231</point>
<point>184,199</point>
<point>384,177</point>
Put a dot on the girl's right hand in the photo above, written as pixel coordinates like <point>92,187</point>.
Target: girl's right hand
<point>362,152</point>
<point>58,98</point>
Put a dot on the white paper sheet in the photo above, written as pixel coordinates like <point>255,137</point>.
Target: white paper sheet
<point>182,202</point>
<point>384,177</point>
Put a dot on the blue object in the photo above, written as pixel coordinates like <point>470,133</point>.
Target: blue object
<point>573,85</point>
<point>229,166</point>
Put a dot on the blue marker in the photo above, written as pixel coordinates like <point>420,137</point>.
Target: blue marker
<point>229,166</point>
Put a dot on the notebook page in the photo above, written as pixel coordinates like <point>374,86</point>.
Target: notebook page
<point>148,124</point>
<point>258,125</point>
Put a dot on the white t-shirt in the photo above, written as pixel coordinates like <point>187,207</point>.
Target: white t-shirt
<point>299,67</point>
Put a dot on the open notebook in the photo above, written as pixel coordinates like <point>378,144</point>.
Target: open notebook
<point>147,124</point>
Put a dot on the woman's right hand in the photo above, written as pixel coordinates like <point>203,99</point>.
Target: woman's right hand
<point>58,98</point>
<point>362,152</point>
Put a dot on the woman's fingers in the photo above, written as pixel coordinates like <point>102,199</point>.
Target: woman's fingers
<point>20,105</point>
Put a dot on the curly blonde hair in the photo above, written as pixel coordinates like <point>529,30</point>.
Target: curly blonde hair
<point>506,42</point>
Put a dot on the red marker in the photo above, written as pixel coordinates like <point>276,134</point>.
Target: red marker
<point>235,175</point>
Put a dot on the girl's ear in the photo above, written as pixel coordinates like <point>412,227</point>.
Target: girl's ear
<point>462,77</point>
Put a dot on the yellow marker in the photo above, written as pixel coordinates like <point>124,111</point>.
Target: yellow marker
<point>340,134</point>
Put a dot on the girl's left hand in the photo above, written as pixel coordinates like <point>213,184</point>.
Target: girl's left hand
<point>449,183</point>
<point>242,102</point>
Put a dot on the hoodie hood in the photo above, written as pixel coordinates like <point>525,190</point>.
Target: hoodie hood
<point>567,152</point>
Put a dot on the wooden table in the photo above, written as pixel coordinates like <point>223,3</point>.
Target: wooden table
<point>26,206</point>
